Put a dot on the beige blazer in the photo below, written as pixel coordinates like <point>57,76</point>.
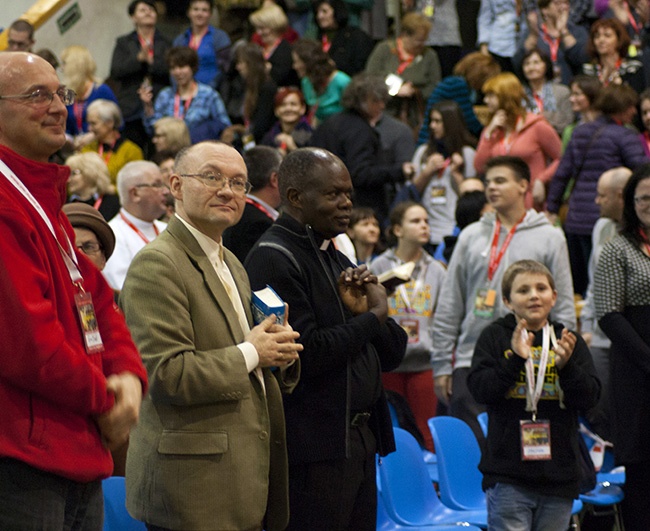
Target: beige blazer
<point>209,451</point>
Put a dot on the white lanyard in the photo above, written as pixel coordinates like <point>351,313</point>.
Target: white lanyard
<point>419,284</point>
<point>534,388</point>
<point>68,257</point>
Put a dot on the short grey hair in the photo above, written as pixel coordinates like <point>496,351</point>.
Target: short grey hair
<point>129,173</point>
<point>107,111</point>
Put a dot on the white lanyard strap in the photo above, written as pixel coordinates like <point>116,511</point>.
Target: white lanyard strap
<point>68,257</point>
<point>534,387</point>
<point>417,287</point>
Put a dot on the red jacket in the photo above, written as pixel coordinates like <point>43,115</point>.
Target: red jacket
<point>50,388</point>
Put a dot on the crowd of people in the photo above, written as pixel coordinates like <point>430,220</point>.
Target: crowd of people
<point>512,172</point>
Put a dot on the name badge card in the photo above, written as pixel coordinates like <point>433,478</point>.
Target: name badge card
<point>88,320</point>
<point>412,328</point>
<point>535,440</point>
<point>484,303</point>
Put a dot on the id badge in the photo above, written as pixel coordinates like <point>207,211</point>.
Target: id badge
<point>412,329</point>
<point>535,440</point>
<point>438,195</point>
<point>88,320</point>
<point>484,303</point>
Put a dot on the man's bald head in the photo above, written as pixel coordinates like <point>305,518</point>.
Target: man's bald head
<point>301,167</point>
<point>609,192</point>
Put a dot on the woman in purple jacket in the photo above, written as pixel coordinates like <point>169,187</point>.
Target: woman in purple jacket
<point>595,147</point>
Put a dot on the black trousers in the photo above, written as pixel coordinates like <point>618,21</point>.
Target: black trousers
<point>34,500</point>
<point>336,495</point>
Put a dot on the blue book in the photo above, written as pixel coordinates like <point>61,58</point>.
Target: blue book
<point>265,302</point>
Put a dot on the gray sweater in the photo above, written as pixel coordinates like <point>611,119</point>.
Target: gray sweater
<point>413,306</point>
<point>455,325</point>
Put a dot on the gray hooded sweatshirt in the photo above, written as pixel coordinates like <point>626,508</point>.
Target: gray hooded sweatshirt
<point>456,326</point>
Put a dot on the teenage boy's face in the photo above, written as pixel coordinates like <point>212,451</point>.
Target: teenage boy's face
<point>531,298</point>
<point>503,189</point>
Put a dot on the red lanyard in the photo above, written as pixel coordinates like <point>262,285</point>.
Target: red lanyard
<point>177,106</point>
<point>539,101</point>
<point>599,70</point>
<point>98,202</point>
<point>259,207</point>
<point>195,40</point>
<point>630,17</point>
<point>553,43</point>
<point>268,52</point>
<point>405,59</point>
<point>100,150</point>
<point>78,110</point>
<point>326,43</point>
<point>445,164</point>
<point>495,259</point>
<point>146,45</point>
<point>137,230</point>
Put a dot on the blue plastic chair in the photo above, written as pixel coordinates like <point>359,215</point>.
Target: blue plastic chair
<point>116,517</point>
<point>407,491</point>
<point>429,457</point>
<point>458,455</point>
<point>384,523</point>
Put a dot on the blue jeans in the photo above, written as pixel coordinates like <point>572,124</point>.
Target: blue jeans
<point>33,500</point>
<point>513,508</point>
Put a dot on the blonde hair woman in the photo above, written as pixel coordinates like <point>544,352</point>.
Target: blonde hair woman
<point>90,183</point>
<point>270,24</point>
<point>79,69</point>
<point>512,130</point>
<point>170,134</point>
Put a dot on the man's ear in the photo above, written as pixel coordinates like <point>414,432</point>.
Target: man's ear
<point>273,180</point>
<point>294,198</point>
<point>176,186</point>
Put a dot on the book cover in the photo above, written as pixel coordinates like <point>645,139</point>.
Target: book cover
<point>398,275</point>
<point>265,302</point>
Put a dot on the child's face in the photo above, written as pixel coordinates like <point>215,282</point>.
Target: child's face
<point>414,227</point>
<point>531,298</point>
<point>365,231</point>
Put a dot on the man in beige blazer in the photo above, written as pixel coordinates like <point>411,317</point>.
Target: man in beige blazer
<point>209,452</point>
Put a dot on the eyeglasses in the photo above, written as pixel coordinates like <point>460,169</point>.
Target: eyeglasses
<point>642,200</point>
<point>90,248</point>
<point>43,98</point>
<point>216,181</point>
<point>156,184</point>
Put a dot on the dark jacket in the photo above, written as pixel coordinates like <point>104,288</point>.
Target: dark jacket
<point>497,379</point>
<point>130,73</point>
<point>281,62</point>
<point>350,50</point>
<point>241,238</point>
<point>351,138</point>
<point>318,411</point>
<point>614,146</point>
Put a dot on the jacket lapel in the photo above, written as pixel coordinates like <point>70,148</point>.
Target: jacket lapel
<point>211,279</point>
